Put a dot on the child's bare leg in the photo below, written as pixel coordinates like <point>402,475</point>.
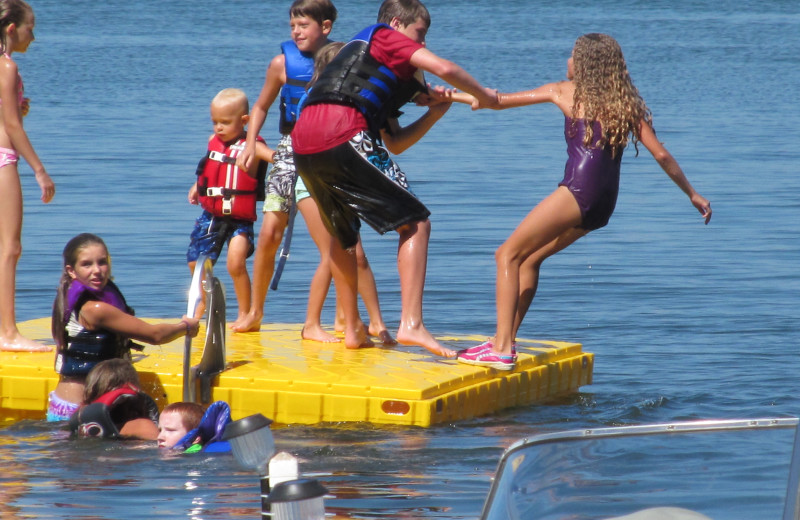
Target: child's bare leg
<point>412,260</point>
<point>338,321</point>
<point>238,248</point>
<point>269,239</point>
<point>10,251</point>
<point>529,272</point>
<point>343,267</point>
<point>321,282</point>
<point>369,295</point>
<point>548,228</point>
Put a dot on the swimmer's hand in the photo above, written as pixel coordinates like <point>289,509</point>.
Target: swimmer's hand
<point>703,206</point>
<point>192,326</point>
<point>449,95</point>
<point>25,106</point>
<point>489,99</point>
<point>46,184</point>
<point>193,196</point>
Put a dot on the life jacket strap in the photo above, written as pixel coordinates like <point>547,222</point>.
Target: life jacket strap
<point>224,192</point>
<point>221,157</point>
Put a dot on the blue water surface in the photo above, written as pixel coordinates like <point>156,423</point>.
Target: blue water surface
<point>686,321</point>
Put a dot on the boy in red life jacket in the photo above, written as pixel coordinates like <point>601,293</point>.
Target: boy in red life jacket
<point>227,193</point>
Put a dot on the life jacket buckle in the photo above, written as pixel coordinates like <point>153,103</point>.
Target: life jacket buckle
<point>217,156</point>
<point>214,192</point>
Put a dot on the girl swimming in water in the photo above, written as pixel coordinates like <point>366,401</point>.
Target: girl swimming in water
<point>602,110</point>
<point>91,322</point>
<point>16,34</point>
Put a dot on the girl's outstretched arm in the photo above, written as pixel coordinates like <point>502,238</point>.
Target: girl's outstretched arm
<point>559,93</point>
<point>12,122</point>
<point>673,169</point>
<point>99,315</point>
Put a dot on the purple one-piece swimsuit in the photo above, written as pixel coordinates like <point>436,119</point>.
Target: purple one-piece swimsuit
<point>591,174</point>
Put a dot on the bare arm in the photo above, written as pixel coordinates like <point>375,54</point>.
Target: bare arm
<point>559,93</point>
<point>399,139</point>
<point>264,152</point>
<point>194,196</point>
<point>274,80</point>
<point>12,122</point>
<point>100,315</point>
<point>141,428</point>
<point>673,169</point>
<point>454,75</point>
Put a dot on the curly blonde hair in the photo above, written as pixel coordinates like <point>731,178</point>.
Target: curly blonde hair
<point>605,93</point>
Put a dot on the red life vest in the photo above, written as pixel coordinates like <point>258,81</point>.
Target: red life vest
<point>225,190</point>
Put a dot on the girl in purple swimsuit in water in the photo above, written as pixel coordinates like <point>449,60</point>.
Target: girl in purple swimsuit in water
<point>603,109</point>
<point>16,33</point>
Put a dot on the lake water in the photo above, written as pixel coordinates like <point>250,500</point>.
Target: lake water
<point>686,321</point>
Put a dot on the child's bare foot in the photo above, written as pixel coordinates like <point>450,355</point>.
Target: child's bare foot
<point>338,324</point>
<point>383,335</point>
<point>20,343</point>
<point>239,319</point>
<point>317,333</point>
<point>249,323</point>
<point>420,336</point>
<point>357,338</point>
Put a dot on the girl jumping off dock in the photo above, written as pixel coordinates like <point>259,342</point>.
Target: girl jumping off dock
<point>602,110</point>
<point>16,34</point>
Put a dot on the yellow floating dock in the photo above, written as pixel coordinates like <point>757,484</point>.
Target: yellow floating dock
<point>292,381</point>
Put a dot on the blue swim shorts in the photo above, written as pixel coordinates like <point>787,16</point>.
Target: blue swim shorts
<point>210,234</point>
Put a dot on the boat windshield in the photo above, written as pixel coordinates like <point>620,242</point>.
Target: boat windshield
<point>728,470</point>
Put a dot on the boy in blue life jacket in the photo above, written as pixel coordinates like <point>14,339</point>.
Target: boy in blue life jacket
<point>227,193</point>
<point>288,74</point>
<point>349,115</point>
<point>186,427</point>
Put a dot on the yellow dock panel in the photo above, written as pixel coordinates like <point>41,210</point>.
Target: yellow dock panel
<point>293,381</point>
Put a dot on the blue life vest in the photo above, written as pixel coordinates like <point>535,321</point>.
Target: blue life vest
<point>299,69</point>
<point>356,78</point>
<point>79,353</point>
<point>210,430</point>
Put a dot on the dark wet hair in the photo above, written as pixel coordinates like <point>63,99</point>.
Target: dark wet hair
<point>407,11</point>
<point>109,375</point>
<point>317,10</point>
<point>321,59</point>
<point>69,257</point>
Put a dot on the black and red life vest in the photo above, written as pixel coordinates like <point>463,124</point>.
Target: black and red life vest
<point>107,414</point>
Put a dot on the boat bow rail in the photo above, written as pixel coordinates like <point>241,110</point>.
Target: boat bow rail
<point>740,468</point>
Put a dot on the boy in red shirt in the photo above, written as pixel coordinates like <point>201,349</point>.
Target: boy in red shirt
<point>338,153</point>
